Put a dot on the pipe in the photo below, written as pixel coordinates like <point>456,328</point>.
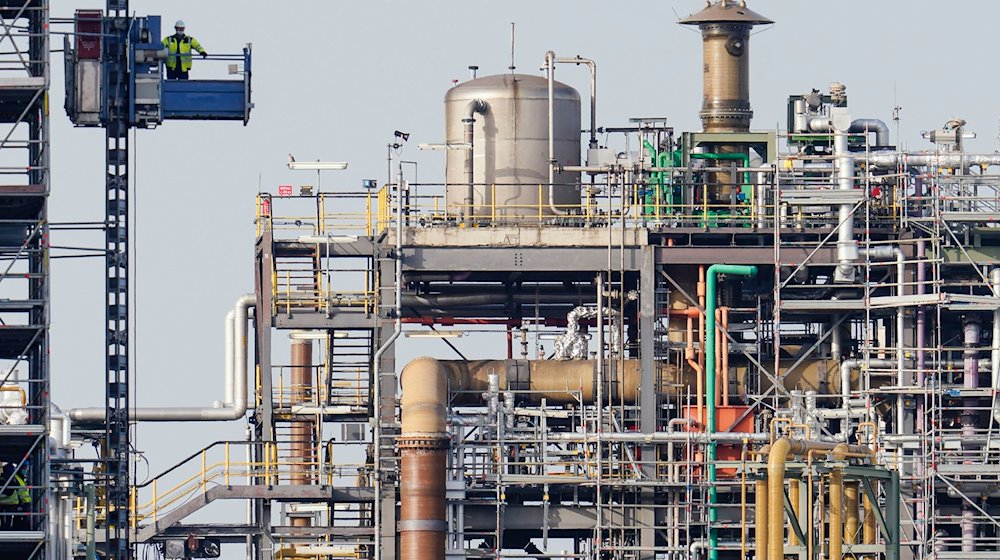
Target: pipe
<point>995,349</point>
<point>793,496</point>
<point>777,456</point>
<point>760,513</point>
<point>847,248</point>
<point>877,126</point>
<point>91,522</point>
<point>953,161</point>
<point>851,517</point>
<point>423,445</point>
<point>846,367</point>
<point>693,363</point>
<point>397,329</point>
<point>968,527</point>
<point>836,491</point>
<point>711,293</point>
<point>468,125</point>
<point>592,65</point>
<point>550,68</point>
<point>971,332</point>
<point>235,406</point>
<point>301,448</point>
<point>725,355</point>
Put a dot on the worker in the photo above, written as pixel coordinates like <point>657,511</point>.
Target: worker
<point>179,48</point>
<point>15,501</point>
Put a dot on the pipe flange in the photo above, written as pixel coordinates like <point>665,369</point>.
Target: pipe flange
<point>428,442</point>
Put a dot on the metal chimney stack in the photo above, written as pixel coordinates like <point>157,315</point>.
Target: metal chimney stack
<point>725,30</point>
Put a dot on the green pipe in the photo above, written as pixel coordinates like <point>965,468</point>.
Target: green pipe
<point>710,305</point>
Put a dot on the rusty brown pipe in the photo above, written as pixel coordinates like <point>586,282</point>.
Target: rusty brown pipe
<point>301,448</point>
<point>423,445</point>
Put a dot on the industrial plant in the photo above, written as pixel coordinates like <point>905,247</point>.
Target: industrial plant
<point>732,343</point>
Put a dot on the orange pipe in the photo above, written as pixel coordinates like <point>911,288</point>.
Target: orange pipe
<point>725,355</point>
<point>699,372</point>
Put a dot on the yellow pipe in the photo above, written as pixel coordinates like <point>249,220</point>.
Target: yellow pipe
<point>851,518</point>
<point>837,504</point>
<point>778,454</point>
<point>793,496</point>
<point>760,513</point>
<point>868,536</point>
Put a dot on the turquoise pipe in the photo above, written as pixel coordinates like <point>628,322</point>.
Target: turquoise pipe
<point>711,303</point>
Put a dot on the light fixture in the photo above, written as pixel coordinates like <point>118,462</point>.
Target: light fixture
<point>327,238</point>
<point>447,146</point>
<point>434,334</point>
<point>317,165</point>
<point>316,335</point>
<point>404,135</point>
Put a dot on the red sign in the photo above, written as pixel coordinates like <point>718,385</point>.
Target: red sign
<point>88,34</point>
<point>284,190</point>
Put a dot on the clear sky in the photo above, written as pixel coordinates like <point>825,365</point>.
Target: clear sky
<point>333,79</point>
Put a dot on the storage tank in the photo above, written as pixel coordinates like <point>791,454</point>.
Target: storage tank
<point>510,147</point>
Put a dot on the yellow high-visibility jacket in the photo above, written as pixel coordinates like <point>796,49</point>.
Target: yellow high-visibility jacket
<point>17,495</point>
<point>181,50</point>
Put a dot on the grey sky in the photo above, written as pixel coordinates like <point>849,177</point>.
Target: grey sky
<point>332,80</point>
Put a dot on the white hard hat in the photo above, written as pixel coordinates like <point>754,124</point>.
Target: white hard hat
<point>180,23</point>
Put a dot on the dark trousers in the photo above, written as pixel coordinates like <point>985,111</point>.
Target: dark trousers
<point>176,73</point>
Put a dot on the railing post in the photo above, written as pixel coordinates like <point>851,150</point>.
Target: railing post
<point>539,204</point>
<point>227,464</point>
<point>493,204</point>
<point>154,501</point>
<point>204,474</point>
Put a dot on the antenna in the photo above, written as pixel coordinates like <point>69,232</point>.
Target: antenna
<point>511,67</point>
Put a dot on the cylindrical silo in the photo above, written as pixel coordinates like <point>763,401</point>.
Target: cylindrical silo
<point>510,147</point>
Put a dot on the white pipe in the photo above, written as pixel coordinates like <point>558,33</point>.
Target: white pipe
<point>235,379</point>
<point>960,160</point>
<point>550,67</point>
<point>995,350</point>
<point>846,367</point>
<point>877,126</point>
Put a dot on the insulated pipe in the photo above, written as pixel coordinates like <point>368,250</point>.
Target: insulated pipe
<point>970,378</point>
<point>995,349</point>
<point>468,125</point>
<point>423,445</point>
<point>235,406</point>
<point>956,161</point>
<point>847,249</point>
<point>877,126</point>
<point>725,355</point>
<point>711,294</point>
<point>692,362</point>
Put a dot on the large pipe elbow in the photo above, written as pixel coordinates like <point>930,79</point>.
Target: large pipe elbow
<point>423,460</point>
<point>777,456</point>
<point>424,384</point>
<point>877,126</point>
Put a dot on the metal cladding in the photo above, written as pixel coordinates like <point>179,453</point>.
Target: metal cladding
<point>725,29</point>
<point>510,147</point>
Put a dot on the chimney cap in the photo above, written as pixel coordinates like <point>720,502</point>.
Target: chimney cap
<point>726,11</point>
